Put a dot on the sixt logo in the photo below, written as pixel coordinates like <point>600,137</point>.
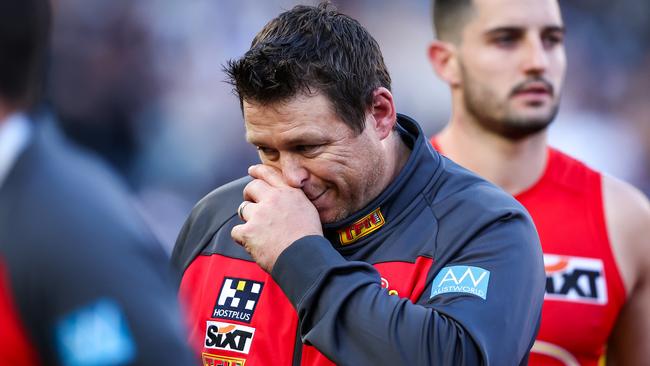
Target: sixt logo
<point>214,360</point>
<point>237,299</point>
<point>461,279</point>
<point>362,227</point>
<point>575,279</point>
<point>228,337</point>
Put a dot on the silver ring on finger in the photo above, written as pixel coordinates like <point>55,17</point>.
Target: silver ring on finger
<point>240,210</point>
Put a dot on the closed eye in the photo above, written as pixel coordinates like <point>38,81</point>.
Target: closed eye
<point>308,150</point>
<point>267,152</point>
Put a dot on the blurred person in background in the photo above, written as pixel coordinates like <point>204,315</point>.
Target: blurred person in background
<point>101,78</point>
<point>356,243</point>
<point>82,280</point>
<point>504,61</point>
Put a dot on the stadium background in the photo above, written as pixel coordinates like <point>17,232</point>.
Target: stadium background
<point>141,83</point>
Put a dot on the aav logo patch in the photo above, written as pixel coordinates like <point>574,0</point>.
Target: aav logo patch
<point>461,279</point>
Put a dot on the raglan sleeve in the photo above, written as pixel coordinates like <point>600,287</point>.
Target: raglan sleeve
<point>481,304</point>
<point>183,250</point>
<point>206,217</point>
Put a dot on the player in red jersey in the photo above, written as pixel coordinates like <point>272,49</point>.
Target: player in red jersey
<point>504,61</point>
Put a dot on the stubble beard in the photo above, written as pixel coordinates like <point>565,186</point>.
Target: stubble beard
<point>495,115</point>
<point>367,191</point>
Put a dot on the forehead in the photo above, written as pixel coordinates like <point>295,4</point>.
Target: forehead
<point>299,119</point>
<point>492,14</point>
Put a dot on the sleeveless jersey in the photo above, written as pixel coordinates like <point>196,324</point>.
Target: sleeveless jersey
<point>16,348</point>
<point>584,289</point>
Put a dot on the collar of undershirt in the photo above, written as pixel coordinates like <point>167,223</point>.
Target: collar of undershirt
<point>15,132</point>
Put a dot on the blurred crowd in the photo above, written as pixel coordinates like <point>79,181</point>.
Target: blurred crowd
<point>141,84</point>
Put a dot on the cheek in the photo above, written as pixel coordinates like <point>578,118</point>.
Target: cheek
<point>486,87</point>
<point>558,64</point>
<point>490,72</point>
<point>346,167</point>
<point>363,171</point>
<point>326,170</point>
<point>344,175</point>
<point>492,61</point>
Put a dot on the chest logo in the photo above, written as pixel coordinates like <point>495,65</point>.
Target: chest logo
<point>237,299</point>
<point>214,360</point>
<point>228,337</point>
<point>575,279</point>
<point>361,227</point>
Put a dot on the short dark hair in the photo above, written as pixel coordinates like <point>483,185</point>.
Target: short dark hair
<point>449,18</point>
<point>24,33</point>
<point>310,50</point>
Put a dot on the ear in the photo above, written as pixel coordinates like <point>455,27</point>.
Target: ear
<point>444,59</point>
<point>383,112</point>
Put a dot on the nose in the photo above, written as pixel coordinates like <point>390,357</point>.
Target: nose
<point>294,172</point>
<point>535,60</point>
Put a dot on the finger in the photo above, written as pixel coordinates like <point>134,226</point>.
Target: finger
<point>269,174</point>
<point>237,234</point>
<point>255,190</point>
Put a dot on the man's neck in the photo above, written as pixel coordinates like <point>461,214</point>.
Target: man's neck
<point>402,154</point>
<point>513,165</point>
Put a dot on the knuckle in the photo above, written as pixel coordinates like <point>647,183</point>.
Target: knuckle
<point>250,186</point>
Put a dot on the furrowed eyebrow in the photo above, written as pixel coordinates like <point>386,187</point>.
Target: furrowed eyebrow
<point>306,139</point>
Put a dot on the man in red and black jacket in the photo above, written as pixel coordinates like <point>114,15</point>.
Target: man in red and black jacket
<point>356,243</point>
<point>82,281</point>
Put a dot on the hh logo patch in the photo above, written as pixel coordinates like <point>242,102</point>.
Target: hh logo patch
<point>97,334</point>
<point>237,299</point>
<point>575,279</point>
<point>228,337</point>
<point>362,227</point>
<point>461,279</point>
<point>214,360</point>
